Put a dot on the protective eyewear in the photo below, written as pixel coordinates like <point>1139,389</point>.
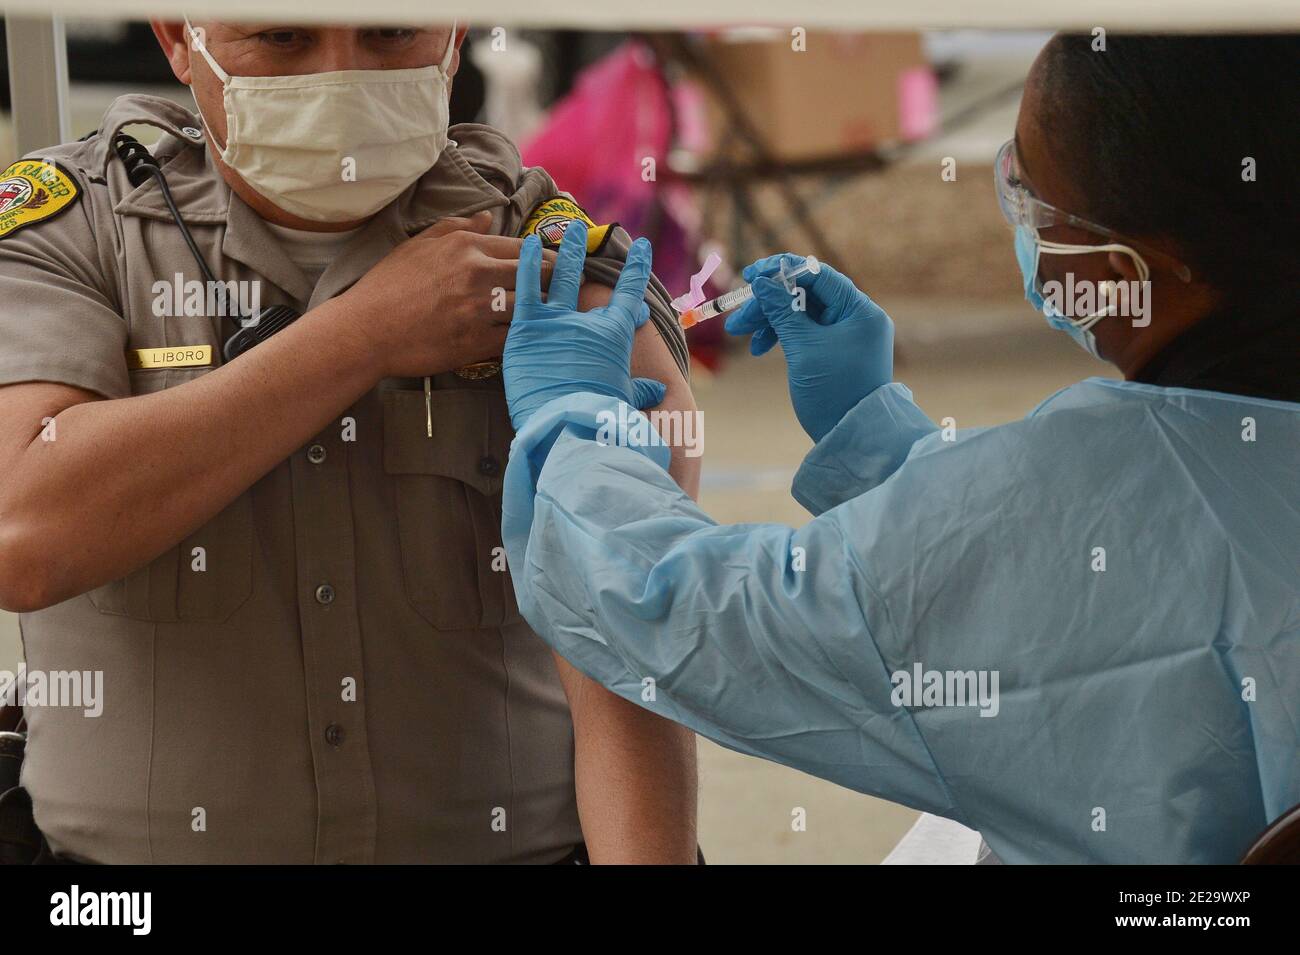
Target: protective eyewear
<point>1021,207</point>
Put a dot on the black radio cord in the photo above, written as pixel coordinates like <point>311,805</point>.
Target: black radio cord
<point>141,166</point>
<point>252,329</point>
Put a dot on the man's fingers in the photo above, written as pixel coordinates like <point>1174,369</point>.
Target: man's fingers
<point>504,315</point>
<point>496,342</point>
<point>504,272</point>
<point>503,246</point>
<point>563,290</point>
<point>528,277</point>
<point>629,292</point>
<point>480,221</point>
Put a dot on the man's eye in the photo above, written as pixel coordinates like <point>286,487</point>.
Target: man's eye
<point>280,37</point>
<point>393,35</point>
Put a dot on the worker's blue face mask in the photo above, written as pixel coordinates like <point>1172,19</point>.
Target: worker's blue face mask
<point>1027,252</point>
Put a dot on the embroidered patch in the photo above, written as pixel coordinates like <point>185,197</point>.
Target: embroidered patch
<point>549,220</point>
<point>31,191</point>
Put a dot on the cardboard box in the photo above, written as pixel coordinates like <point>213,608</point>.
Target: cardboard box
<point>844,93</point>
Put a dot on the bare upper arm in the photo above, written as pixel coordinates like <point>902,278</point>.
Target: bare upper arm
<point>651,359</point>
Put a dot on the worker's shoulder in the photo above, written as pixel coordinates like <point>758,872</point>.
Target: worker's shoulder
<point>76,156</point>
<point>490,152</point>
<point>1111,396</point>
<point>494,156</point>
<point>1193,436</point>
<point>88,156</point>
<point>42,188</point>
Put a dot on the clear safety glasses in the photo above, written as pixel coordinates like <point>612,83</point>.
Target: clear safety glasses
<point>1021,207</point>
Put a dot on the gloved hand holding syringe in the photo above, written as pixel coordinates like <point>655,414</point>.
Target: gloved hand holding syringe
<point>739,296</point>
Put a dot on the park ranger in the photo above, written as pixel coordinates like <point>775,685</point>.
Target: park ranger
<point>287,563</point>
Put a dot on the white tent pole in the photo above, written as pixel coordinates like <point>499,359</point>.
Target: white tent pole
<point>38,81</point>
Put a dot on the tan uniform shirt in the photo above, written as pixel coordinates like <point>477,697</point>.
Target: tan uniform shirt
<point>367,560</point>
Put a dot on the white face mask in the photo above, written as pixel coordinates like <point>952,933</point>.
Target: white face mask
<point>333,147</point>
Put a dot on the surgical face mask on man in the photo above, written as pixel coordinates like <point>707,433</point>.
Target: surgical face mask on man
<point>1028,249</point>
<point>333,147</point>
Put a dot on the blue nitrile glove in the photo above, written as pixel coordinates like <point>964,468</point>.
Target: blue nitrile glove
<point>837,351</point>
<point>553,350</point>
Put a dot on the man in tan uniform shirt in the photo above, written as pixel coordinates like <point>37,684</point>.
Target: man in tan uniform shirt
<point>297,597</point>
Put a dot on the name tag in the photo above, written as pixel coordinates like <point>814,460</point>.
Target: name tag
<point>178,356</point>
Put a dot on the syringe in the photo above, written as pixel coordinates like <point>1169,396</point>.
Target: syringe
<point>739,296</point>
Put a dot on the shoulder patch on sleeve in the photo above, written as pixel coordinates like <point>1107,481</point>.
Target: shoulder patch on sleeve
<point>549,220</point>
<point>32,190</point>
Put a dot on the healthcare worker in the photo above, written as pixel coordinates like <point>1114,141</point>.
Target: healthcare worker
<point>1079,633</point>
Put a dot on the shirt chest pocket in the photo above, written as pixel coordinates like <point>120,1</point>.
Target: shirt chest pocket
<point>208,575</point>
<point>448,498</point>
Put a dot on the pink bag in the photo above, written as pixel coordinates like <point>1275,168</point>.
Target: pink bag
<point>606,143</point>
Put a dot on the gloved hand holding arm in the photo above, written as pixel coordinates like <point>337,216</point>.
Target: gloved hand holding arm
<point>554,350</point>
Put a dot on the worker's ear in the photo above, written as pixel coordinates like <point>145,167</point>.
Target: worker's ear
<point>175,46</point>
<point>1124,265</point>
<point>459,39</point>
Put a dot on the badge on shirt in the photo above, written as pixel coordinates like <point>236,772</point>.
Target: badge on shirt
<point>549,220</point>
<point>177,356</point>
<point>32,190</point>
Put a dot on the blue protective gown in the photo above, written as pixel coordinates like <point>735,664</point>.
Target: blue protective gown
<point>1147,712</point>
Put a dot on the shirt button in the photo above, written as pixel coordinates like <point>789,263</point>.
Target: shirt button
<point>488,465</point>
<point>193,132</point>
<point>324,594</point>
<point>334,734</point>
<point>316,454</point>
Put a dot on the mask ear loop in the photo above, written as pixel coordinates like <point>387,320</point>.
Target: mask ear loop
<point>196,43</point>
<point>446,65</point>
<point>451,47</point>
<point>1061,248</point>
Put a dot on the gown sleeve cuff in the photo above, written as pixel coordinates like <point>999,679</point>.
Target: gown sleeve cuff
<point>599,418</point>
<point>577,418</point>
<point>863,450</point>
